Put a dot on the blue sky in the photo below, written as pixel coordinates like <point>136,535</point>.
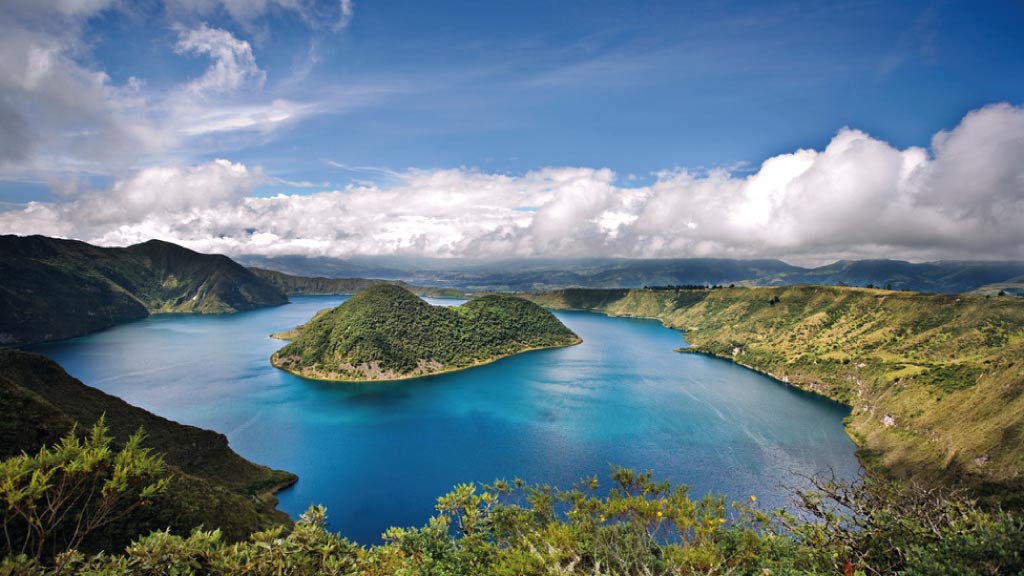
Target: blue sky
<point>315,97</point>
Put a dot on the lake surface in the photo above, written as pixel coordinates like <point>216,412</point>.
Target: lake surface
<point>378,455</point>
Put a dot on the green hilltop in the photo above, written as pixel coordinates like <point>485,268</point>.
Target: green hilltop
<point>386,333</point>
<point>936,381</point>
<point>52,289</point>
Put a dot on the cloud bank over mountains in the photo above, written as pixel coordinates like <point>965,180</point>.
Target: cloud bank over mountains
<point>860,197</point>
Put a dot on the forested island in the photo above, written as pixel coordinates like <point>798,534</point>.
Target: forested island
<point>385,332</point>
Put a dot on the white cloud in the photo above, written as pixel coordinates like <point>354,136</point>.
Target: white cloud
<point>233,61</point>
<point>347,9</point>
<point>859,197</point>
<point>61,119</point>
<point>315,14</point>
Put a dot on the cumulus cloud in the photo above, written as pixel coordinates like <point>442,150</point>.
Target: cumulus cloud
<point>859,197</point>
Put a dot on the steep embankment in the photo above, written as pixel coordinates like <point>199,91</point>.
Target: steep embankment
<point>936,382</point>
<point>52,289</point>
<point>386,333</point>
<point>303,286</point>
<point>213,486</point>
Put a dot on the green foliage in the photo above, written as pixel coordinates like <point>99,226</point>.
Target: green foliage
<point>386,332</point>
<point>637,526</point>
<point>54,499</point>
<point>890,527</point>
<point>213,486</point>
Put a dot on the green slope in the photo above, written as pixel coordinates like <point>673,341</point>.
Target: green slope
<point>52,289</point>
<point>936,382</point>
<point>213,486</point>
<point>385,333</point>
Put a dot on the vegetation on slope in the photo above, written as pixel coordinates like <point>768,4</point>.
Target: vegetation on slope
<point>302,286</point>
<point>52,289</point>
<point>212,485</point>
<point>936,382</point>
<point>385,332</point>
<point>639,526</point>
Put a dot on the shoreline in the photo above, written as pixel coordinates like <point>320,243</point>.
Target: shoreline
<point>274,362</point>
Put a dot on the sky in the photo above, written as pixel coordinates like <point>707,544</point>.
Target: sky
<point>805,131</point>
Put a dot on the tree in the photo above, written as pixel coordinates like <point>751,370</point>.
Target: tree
<point>54,499</point>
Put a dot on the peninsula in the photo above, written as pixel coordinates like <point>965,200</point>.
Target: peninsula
<point>934,380</point>
<point>387,333</point>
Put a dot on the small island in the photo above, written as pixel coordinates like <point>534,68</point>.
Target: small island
<point>388,333</point>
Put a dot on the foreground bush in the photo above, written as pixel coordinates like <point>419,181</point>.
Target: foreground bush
<point>638,526</point>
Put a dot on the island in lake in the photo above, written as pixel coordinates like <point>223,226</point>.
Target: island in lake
<point>387,333</point>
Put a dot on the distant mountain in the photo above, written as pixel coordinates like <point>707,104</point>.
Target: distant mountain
<point>213,486</point>
<point>386,333</point>
<point>949,276</point>
<point>319,286</point>
<point>52,289</point>
<point>531,275</point>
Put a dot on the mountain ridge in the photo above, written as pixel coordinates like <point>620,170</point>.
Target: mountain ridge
<point>528,275</point>
<point>52,288</point>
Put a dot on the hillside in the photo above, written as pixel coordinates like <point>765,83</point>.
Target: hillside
<point>936,382</point>
<point>1011,287</point>
<point>52,289</point>
<point>320,286</point>
<point>213,486</point>
<point>386,333</point>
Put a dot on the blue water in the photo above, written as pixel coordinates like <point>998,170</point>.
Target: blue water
<point>378,455</point>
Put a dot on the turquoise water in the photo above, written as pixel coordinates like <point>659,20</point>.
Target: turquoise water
<point>378,455</point>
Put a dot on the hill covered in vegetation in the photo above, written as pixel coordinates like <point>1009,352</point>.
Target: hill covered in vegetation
<point>52,289</point>
<point>936,381</point>
<point>386,333</point>
<point>212,485</point>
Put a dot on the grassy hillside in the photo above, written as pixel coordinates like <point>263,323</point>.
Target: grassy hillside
<point>213,486</point>
<point>385,332</point>
<point>52,289</point>
<point>936,382</point>
<point>1011,287</point>
<point>302,286</point>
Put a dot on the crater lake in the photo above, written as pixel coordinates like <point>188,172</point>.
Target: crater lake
<point>379,454</point>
